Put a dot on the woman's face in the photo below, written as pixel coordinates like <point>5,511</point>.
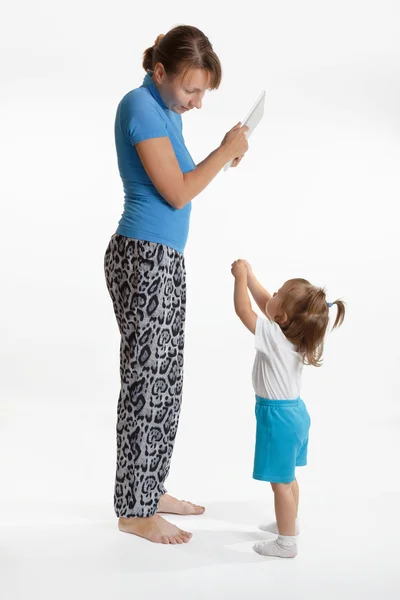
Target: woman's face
<point>182,93</point>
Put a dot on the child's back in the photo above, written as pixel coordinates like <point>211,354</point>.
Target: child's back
<point>277,366</point>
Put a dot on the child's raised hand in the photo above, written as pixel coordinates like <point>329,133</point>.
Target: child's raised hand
<point>239,268</point>
<point>248,267</point>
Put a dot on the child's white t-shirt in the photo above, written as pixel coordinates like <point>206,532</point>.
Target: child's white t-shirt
<point>277,367</point>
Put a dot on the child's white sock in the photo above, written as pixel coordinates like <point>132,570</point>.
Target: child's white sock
<point>284,547</point>
<point>273,527</point>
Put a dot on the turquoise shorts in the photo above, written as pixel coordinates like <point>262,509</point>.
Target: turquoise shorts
<point>281,439</point>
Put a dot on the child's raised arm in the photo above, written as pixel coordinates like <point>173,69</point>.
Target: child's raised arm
<point>260,294</point>
<point>241,298</point>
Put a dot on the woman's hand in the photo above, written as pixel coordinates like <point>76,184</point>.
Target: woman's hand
<point>235,143</point>
<point>239,268</point>
<point>237,161</point>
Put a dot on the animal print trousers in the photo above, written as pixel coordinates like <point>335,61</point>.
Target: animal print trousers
<point>147,285</point>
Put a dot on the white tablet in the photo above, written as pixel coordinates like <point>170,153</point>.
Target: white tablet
<point>252,120</point>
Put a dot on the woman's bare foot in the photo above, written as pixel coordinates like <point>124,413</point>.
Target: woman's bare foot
<point>173,506</point>
<point>155,529</point>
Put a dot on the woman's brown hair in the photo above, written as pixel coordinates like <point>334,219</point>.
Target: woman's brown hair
<point>182,49</point>
<point>307,313</point>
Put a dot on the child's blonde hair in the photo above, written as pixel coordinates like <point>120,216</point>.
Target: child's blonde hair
<point>307,313</point>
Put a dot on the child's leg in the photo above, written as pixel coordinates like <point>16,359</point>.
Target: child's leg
<point>285,511</point>
<point>273,527</point>
<point>285,508</point>
<point>295,490</point>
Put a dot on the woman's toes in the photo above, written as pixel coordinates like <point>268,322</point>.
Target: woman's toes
<point>165,540</point>
<point>198,509</point>
<point>172,540</point>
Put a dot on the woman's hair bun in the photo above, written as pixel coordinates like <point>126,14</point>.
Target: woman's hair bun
<point>158,40</point>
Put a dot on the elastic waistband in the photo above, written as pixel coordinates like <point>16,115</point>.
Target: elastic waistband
<point>144,239</point>
<point>143,236</point>
<point>280,403</point>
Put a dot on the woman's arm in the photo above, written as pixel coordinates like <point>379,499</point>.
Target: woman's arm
<point>178,189</point>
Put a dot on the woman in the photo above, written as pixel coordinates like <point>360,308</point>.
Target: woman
<point>145,269</point>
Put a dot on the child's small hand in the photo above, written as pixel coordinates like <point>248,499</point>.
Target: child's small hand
<point>239,268</point>
<point>248,267</point>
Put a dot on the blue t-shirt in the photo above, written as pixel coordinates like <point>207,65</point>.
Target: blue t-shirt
<point>141,115</point>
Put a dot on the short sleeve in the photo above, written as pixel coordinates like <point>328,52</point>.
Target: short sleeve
<point>142,120</point>
<point>265,335</point>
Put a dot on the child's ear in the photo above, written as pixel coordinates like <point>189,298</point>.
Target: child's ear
<point>281,319</point>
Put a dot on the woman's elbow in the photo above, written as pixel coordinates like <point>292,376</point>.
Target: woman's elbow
<point>177,195</point>
<point>177,202</point>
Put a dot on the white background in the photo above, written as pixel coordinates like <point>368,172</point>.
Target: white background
<point>315,197</point>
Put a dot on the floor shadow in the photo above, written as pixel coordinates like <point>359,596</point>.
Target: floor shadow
<point>224,534</point>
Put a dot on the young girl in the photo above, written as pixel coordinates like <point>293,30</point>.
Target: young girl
<point>292,335</point>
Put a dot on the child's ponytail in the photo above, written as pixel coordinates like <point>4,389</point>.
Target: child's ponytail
<point>341,310</point>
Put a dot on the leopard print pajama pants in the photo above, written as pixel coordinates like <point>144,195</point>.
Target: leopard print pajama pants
<point>147,285</point>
